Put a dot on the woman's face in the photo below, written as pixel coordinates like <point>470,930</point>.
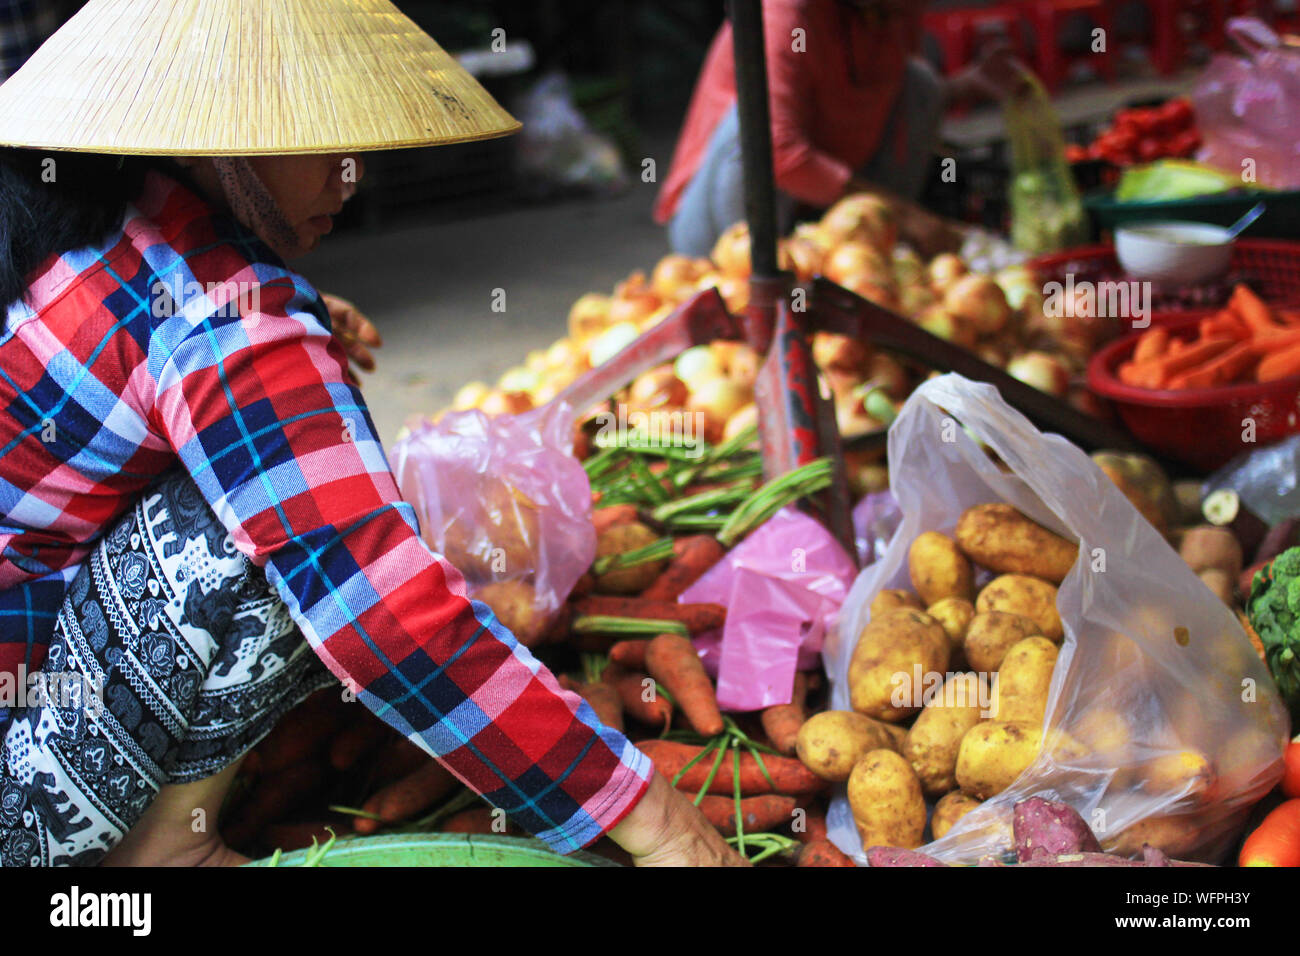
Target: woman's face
<point>307,191</point>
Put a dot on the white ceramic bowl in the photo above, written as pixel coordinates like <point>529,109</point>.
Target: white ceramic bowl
<point>1173,251</point>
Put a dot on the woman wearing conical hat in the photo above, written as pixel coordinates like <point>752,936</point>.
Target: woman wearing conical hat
<point>198,527</point>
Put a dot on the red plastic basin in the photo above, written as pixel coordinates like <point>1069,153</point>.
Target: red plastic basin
<point>1202,427</point>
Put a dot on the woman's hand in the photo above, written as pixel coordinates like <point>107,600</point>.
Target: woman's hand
<point>354,332</point>
<point>666,829</point>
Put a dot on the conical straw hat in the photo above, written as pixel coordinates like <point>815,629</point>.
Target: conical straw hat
<point>243,77</point>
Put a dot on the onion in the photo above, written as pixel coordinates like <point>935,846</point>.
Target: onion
<point>518,379</point>
<point>589,316</point>
<point>470,395</point>
<point>832,350</point>
<point>696,364</point>
<point>862,217</point>
<point>915,298</point>
<point>945,269</point>
<point>498,402</point>
<point>1045,372</point>
<point>743,418</point>
<point>610,342</point>
<point>719,398</point>
<point>657,388</point>
<point>940,322</point>
<point>731,251</point>
<point>674,276</point>
<point>802,256</point>
<point>881,293</point>
<point>884,371</point>
<point>536,361</point>
<point>851,259</point>
<point>979,300</point>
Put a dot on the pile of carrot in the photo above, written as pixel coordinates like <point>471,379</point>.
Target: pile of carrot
<point>1246,341</point>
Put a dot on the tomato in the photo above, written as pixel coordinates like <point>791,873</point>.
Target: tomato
<point>1185,143</point>
<point>1125,139</point>
<point>1075,153</point>
<point>1291,778</point>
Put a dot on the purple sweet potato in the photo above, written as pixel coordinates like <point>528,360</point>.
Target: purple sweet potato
<point>894,856</point>
<point>1047,829</point>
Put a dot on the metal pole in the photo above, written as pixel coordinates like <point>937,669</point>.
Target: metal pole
<point>755,133</point>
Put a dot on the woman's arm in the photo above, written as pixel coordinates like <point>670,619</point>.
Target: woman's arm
<point>283,449</point>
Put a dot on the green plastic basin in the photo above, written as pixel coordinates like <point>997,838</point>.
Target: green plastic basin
<point>440,849</point>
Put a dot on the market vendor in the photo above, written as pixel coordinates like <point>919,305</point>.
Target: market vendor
<point>853,109</point>
<point>198,526</point>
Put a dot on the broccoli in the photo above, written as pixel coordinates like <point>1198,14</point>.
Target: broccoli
<point>1274,609</point>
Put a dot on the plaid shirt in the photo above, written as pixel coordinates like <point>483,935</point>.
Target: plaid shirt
<point>132,356</point>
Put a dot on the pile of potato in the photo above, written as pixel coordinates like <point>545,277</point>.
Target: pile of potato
<point>986,658</point>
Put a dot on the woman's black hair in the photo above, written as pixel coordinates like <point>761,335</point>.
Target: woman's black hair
<point>54,202</point>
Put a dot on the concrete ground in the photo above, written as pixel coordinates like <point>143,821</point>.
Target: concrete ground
<point>430,286</point>
<point>430,289</point>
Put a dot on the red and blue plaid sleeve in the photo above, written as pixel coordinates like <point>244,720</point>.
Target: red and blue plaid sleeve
<point>283,449</point>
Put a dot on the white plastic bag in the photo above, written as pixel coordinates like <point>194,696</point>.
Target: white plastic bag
<point>1143,636</point>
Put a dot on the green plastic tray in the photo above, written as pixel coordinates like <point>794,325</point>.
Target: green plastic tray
<point>1281,219</point>
<point>440,849</point>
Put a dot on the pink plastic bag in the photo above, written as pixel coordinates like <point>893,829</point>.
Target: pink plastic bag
<point>782,587</point>
<point>1246,108</point>
<point>503,499</point>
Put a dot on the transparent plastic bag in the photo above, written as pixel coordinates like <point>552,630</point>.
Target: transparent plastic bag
<point>1144,640</point>
<point>1246,108</point>
<point>1046,211</point>
<point>504,500</point>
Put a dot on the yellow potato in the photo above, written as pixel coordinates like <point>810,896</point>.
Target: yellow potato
<point>1176,834</point>
<point>991,634</point>
<point>891,599</point>
<point>950,808</point>
<point>894,651</point>
<point>619,540</point>
<point>954,615</point>
<point>938,568</point>
<point>1024,679</point>
<point>1002,539</point>
<point>830,743</point>
<point>1187,771</point>
<point>1104,730</point>
<point>934,739</point>
<point>994,753</point>
<point>886,800</point>
<point>1031,597</point>
<point>515,606</point>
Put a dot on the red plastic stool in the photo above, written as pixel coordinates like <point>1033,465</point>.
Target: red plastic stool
<point>1169,48</point>
<point>955,31</point>
<point>1053,63</point>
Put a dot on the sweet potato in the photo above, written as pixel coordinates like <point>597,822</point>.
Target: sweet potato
<point>1047,829</point>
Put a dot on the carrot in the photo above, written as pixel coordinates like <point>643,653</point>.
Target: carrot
<point>1221,369</point>
<point>790,776</point>
<point>273,796</point>
<point>1279,365</point>
<point>766,812</point>
<point>1291,776</point>
<point>404,799</point>
<point>696,617</point>
<point>303,732</point>
<point>813,829</point>
<point>781,722</point>
<point>1281,339</point>
<point>585,584</point>
<point>673,661</point>
<point>1276,841</point>
<point>398,759</point>
<point>609,516</point>
<point>1223,324</point>
<point>694,555</point>
<point>629,654</point>
<point>601,697</point>
<point>1151,345</point>
<point>637,693</point>
<point>823,853</point>
<point>354,742</point>
<point>1156,373</point>
<point>1252,310</point>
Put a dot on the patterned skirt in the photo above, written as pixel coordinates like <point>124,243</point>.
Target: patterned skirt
<point>172,656</point>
